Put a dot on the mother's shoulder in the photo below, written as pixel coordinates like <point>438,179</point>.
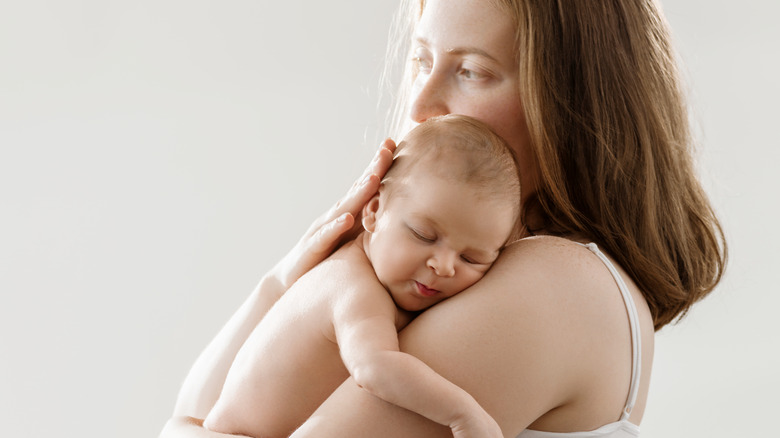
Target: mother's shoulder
<point>550,269</point>
<point>551,242</point>
<point>547,254</point>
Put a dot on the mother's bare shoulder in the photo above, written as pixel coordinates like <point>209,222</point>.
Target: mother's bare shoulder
<point>558,279</point>
<point>550,262</point>
<point>534,321</point>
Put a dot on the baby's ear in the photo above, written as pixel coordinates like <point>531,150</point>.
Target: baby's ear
<point>369,213</point>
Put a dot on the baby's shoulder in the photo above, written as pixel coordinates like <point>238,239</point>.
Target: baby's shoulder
<point>348,262</point>
<point>350,278</point>
<point>346,272</point>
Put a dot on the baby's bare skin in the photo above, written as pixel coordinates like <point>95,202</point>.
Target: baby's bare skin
<point>291,363</point>
<point>341,320</point>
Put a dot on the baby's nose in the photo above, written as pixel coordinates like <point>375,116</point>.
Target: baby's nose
<point>443,264</point>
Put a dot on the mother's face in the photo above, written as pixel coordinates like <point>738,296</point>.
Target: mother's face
<point>467,64</point>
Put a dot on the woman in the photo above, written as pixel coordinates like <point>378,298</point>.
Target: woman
<point>587,94</point>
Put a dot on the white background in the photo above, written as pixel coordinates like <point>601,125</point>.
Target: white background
<point>156,157</point>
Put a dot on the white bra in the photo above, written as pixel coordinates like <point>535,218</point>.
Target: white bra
<point>621,428</point>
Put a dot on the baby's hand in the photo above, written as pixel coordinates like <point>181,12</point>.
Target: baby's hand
<point>480,425</point>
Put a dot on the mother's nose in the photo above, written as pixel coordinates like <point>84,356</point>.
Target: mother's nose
<point>429,98</point>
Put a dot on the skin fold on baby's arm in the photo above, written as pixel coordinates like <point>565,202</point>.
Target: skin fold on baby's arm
<point>368,341</point>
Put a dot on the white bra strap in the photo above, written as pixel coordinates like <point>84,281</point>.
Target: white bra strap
<point>633,319</point>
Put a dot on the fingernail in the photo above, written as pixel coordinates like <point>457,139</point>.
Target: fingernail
<point>342,218</point>
<point>366,180</point>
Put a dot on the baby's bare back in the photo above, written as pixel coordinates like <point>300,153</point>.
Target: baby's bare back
<point>290,363</point>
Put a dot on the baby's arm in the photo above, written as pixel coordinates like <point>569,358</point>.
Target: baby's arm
<point>368,341</point>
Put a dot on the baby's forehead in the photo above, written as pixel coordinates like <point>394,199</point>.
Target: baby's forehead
<point>434,197</point>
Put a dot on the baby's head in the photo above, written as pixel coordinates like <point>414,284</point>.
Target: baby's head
<point>445,209</point>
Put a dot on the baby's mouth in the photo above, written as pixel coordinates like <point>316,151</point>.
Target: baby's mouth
<point>425,290</point>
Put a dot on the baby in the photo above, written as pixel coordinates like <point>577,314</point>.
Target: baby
<point>444,211</point>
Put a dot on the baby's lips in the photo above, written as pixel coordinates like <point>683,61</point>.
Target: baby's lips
<point>425,290</point>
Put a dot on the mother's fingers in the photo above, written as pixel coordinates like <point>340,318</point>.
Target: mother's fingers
<point>315,248</point>
<point>368,184</point>
<point>382,160</point>
<point>338,224</point>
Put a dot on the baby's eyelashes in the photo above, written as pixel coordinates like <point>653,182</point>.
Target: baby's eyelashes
<point>422,236</point>
<point>469,260</point>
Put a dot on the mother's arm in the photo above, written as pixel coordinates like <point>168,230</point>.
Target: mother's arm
<point>204,382</point>
<point>501,341</point>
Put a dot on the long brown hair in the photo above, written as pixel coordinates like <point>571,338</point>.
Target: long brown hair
<point>608,124</point>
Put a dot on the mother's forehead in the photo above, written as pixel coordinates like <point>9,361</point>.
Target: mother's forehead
<point>455,24</point>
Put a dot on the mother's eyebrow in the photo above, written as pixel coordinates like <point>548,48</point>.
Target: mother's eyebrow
<point>460,50</point>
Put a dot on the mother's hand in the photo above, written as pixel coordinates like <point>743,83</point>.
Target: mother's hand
<point>204,382</point>
<point>336,225</point>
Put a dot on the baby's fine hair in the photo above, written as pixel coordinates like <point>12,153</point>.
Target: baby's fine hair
<point>461,149</point>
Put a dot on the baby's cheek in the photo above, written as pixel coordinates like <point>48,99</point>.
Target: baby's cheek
<point>475,276</point>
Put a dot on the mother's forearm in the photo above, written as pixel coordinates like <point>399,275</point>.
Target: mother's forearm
<point>204,382</point>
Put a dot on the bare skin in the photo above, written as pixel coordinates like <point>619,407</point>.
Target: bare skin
<point>341,318</point>
<point>291,362</point>
<point>203,384</point>
<point>542,341</point>
<point>346,314</point>
<point>501,331</point>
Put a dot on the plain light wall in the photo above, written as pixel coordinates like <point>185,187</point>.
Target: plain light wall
<point>156,157</point>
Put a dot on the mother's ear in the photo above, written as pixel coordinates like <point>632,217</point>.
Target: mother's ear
<point>369,213</point>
